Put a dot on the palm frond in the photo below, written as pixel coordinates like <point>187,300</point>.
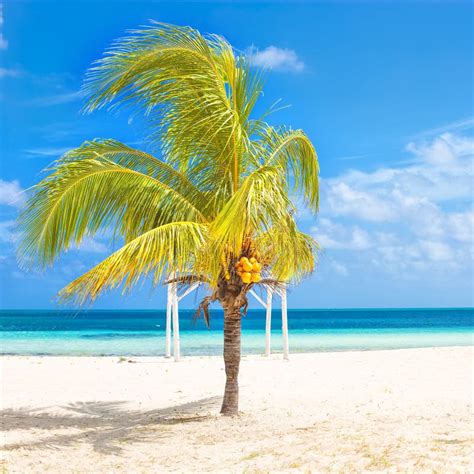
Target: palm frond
<point>177,76</point>
<point>203,309</point>
<point>275,285</point>
<point>168,248</point>
<point>185,281</point>
<point>137,160</point>
<point>288,253</point>
<point>294,152</point>
<point>197,94</point>
<point>84,195</point>
<point>260,202</point>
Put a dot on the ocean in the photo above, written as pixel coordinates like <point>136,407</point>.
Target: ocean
<point>142,333</point>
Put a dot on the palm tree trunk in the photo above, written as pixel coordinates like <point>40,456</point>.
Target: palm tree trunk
<point>230,404</point>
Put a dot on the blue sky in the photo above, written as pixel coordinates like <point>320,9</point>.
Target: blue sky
<point>384,90</point>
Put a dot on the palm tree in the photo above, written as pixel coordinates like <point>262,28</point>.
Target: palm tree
<point>214,207</point>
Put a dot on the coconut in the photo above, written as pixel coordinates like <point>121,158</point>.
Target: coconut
<point>256,277</point>
<point>246,277</point>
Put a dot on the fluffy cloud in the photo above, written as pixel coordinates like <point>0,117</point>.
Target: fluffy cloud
<point>441,171</point>
<point>407,219</point>
<point>436,251</point>
<point>11,193</point>
<point>275,58</point>
<point>400,254</point>
<point>345,200</point>
<point>461,226</point>
<point>332,235</point>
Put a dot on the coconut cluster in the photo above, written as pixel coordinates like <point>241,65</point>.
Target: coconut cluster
<point>249,269</point>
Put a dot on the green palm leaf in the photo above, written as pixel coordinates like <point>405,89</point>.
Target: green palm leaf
<point>166,248</point>
<point>298,258</point>
<point>294,152</point>
<point>84,195</point>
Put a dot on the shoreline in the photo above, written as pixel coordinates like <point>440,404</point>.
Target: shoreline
<point>401,409</point>
<point>251,356</point>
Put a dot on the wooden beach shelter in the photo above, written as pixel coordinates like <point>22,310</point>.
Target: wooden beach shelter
<point>172,318</point>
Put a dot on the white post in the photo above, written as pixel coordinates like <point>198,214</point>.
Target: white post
<point>284,324</point>
<point>169,302</point>
<point>176,348</point>
<point>268,323</point>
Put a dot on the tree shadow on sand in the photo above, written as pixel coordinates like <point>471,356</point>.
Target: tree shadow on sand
<point>104,425</point>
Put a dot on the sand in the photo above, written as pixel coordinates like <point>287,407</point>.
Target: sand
<point>385,411</point>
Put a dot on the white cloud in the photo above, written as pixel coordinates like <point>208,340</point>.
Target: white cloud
<point>441,170</point>
<point>444,151</point>
<point>461,226</point>
<point>272,57</point>
<point>332,235</point>
<point>405,220</point>
<point>400,254</point>
<point>11,193</point>
<point>344,200</point>
<point>444,172</point>
<point>436,251</point>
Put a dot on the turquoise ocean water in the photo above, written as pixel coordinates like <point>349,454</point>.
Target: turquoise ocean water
<point>142,333</point>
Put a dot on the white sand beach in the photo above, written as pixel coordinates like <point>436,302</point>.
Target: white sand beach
<point>384,411</point>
